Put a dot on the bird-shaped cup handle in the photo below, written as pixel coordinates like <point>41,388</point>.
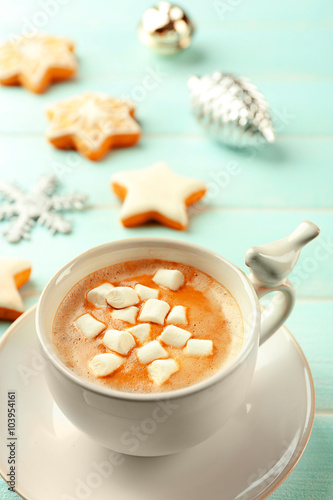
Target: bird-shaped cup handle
<point>270,266</point>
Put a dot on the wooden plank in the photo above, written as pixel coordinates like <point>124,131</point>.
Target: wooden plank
<point>311,324</point>
<point>312,478</point>
<point>298,104</point>
<point>260,51</point>
<point>291,174</point>
<point>248,15</point>
<point>283,48</point>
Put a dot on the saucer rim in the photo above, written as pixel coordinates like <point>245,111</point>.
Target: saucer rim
<point>11,330</point>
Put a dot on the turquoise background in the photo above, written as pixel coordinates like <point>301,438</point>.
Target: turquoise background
<point>286,48</point>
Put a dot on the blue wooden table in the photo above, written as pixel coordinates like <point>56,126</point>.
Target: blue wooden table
<point>286,49</point>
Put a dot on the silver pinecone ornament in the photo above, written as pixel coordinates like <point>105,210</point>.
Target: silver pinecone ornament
<point>231,109</point>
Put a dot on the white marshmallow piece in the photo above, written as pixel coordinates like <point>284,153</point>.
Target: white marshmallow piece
<point>151,351</point>
<point>129,314</point>
<point>97,296</point>
<point>105,364</point>
<point>199,347</point>
<point>119,341</point>
<point>169,278</point>
<point>145,292</point>
<point>154,310</point>
<point>177,316</point>
<point>141,332</point>
<point>122,296</point>
<point>174,336</point>
<point>160,371</point>
<point>89,326</point>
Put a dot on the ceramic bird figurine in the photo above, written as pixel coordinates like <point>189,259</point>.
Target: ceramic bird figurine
<point>272,263</point>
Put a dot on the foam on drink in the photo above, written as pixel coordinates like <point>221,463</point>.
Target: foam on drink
<point>211,314</point>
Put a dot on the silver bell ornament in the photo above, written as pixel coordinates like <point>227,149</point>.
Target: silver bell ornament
<point>165,28</point>
<point>231,109</point>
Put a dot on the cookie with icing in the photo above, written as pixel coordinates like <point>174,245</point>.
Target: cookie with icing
<point>14,273</point>
<point>36,61</point>
<point>93,123</point>
<point>156,193</point>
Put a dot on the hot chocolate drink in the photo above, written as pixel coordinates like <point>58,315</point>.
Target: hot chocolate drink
<point>148,326</point>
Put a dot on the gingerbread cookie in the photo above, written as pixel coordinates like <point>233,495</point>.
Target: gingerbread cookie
<point>36,61</point>
<point>14,273</point>
<point>156,193</point>
<point>92,123</point>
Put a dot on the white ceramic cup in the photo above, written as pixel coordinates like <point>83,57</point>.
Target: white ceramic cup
<point>161,423</point>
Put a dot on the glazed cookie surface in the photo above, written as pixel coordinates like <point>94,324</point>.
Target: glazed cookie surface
<point>14,273</point>
<point>36,61</point>
<point>156,193</point>
<point>93,123</point>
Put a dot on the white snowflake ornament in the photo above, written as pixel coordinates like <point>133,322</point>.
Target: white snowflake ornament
<point>41,205</point>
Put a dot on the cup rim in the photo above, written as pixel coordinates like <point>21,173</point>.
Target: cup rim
<point>153,396</point>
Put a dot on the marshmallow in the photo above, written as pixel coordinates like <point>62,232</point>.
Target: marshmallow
<point>199,347</point>
<point>89,326</point>
<point>119,341</point>
<point>154,310</point>
<point>145,292</point>
<point>105,364</point>
<point>129,314</point>
<point>141,332</point>
<point>161,370</point>
<point>170,278</point>
<point>151,351</point>
<point>174,336</point>
<point>122,296</point>
<point>177,316</point>
<point>97,296</point>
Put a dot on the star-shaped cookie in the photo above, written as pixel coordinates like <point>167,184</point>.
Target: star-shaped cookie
<point>14,273</point>
<point>92,123</point>
<point>156,193</point>
<point>36,61</point>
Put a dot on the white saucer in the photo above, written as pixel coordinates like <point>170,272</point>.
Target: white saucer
<point>247,459</point>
